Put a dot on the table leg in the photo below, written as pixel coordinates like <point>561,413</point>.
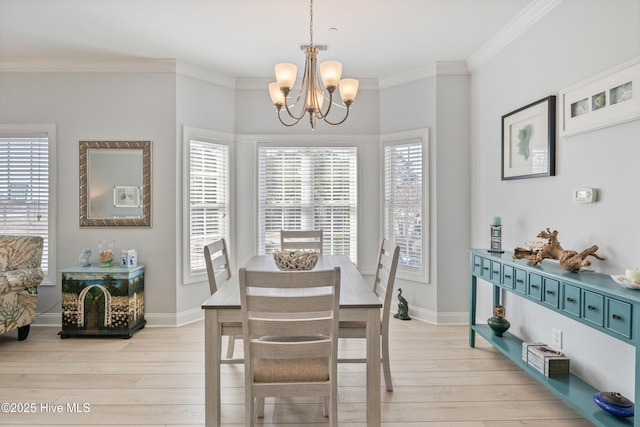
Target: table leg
<point>213,344</point>
<point>373,368</point>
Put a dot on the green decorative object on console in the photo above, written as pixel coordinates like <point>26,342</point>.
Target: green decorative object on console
<point>497,322</point>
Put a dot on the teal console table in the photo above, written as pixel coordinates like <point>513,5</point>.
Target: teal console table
<point>99,301</point>
<point>592,299</point>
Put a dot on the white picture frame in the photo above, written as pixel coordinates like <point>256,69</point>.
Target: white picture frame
<point>126,196</point>
<point>604,100</point>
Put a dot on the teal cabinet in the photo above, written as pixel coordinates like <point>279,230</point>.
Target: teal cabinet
<point>592,299</point>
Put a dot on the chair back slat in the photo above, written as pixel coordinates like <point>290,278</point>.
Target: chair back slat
<point>386,276</point>
<point>292,350</point>
<point>216,258</point>
<point>293,240</point>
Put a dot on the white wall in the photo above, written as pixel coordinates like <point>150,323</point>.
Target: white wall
<point>104,106</point>
<point>204,105</point>
<point>578,39</point>
<point>439,102</point>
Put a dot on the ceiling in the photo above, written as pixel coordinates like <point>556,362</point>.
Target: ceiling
<point>243,39</point>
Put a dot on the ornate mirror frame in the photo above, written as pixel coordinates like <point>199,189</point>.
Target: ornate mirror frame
<point>144,220</point>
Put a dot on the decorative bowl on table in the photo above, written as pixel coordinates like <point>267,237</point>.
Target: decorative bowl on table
<point>295,260</point>
<point>614,403</point>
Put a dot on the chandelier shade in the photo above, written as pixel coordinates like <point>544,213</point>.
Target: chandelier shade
<point>317,85</point>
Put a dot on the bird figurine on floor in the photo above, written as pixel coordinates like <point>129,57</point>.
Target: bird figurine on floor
<point>403,307</point>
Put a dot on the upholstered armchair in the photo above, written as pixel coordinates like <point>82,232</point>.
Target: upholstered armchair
<point>20,275</point>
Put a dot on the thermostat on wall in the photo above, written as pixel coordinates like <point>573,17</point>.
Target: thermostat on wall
<point>585,195</point>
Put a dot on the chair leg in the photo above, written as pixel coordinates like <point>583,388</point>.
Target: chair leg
<point>23,332</point>
<point>385,362</point>
<point>249,410</point>
<point>260,407</point>
<point>230,346</point>
<point>333,409</point>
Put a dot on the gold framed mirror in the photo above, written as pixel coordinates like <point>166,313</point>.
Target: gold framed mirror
<point>115,183</point>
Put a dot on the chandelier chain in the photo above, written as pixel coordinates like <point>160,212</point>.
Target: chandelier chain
<point>311,23</point>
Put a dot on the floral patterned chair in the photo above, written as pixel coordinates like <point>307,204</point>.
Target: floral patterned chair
<point>20,275</point>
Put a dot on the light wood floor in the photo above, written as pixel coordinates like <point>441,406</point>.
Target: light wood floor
<point>156,378</point>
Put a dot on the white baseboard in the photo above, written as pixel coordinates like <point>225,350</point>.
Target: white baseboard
<point>436,318</point>
<point>168,320</point>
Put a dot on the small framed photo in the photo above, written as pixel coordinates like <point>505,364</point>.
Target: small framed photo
<point>126,196</point>
<point>604,100</point>
<point>529,140</point>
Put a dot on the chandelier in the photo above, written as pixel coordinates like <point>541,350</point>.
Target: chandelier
<point>314,88</point>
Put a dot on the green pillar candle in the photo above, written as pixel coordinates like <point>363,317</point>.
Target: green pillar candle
<point>496,220</point>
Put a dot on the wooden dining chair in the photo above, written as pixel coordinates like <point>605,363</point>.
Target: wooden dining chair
<point>383,288</point>
<point>294,240</point>
<point>290,325</point>
<point>216,258</point>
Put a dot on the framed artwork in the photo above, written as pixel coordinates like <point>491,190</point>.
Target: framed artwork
<point>529,140</point>
<point>603,100</point>
<point>126,196</point>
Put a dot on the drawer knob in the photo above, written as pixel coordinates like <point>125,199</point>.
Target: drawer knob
<point>534,286</point>
<point>616,317</point>
<point>486,268</point>
<point>477,265</point>
<point>549,292</point>
<point>507,276</point>
<point>519,281</point>
<point>569,299</point>
<point>591,308</point>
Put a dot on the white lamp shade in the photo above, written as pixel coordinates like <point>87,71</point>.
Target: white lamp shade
<point>286,74</point>
<point>277,97</point>
<point>348,89</point>
<point>330,72</point>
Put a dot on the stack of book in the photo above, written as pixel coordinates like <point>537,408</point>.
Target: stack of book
<point>549,362</point>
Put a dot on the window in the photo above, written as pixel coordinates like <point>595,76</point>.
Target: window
<point>208,197</point>
<point>404,201</point>
<point>305,188</point>
<point>25,185</point>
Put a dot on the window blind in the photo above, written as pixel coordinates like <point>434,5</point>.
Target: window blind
<point>403,166</point>
<point>307,188</point>
<point>24,188</point>
<point>208,198</point>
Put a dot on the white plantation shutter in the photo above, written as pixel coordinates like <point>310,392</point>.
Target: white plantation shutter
<point>208,198</point>
<point>24,188</point>
<point>307,188</point>
<point>404,216</point>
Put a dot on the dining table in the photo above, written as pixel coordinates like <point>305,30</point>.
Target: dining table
<point>357,303</point>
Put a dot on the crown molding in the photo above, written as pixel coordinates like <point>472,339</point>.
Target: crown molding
<point>190,70</point>
<point>90,65</point>
<point>514,28</point>
<point>444,68</point>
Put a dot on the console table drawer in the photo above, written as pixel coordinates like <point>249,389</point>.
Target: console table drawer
<point>508,276</point>
<point>551,292</point>
<point>593,308</point>
<point>571,299</point>
<point>486,269</point>
<point>535,286</point>
<point>521,281</point>
<point>477,265</point>
<point>619,317</point>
